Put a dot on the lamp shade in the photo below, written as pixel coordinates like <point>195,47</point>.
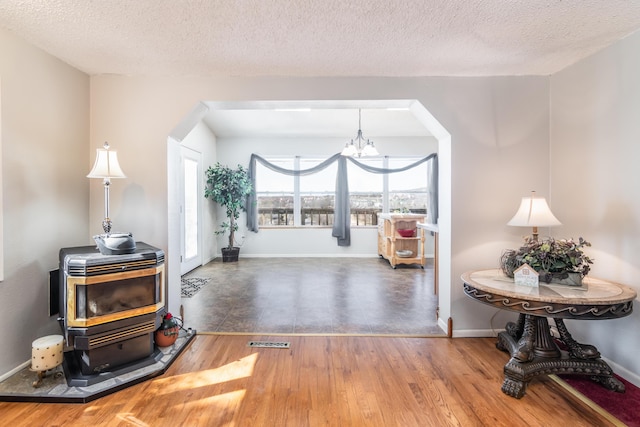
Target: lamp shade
<point>534,212</point>
<point>350,150</point>
<point>370,150</point>
<point>106,165</point>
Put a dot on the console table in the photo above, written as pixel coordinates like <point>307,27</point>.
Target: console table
<point>529,342</point>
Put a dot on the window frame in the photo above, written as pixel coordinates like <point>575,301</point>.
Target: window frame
<point>297,193</point>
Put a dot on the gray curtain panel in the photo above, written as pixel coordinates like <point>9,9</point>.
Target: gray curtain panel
<point>342,215</point>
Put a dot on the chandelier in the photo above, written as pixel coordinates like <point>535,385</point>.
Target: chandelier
<point>360,146</point>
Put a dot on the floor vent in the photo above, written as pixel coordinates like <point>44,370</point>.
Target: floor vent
<point>268,344</point>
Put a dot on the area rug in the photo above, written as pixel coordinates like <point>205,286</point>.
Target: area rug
<point>623,406</point>
<point>191,285</point>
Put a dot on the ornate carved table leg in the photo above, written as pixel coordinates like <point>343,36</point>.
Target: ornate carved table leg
<point>524,351</point>
<point>577,350</point>
<point>545,346</point>
<point>518,338</point>
<point>587,352</point>
<point>530,354</point>
<point>508,340</point>
<point>514,388</point>
<point>516,329</point>
<point>609,382</point>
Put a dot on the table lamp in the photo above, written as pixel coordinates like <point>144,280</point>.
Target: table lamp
<point>107,167</point>
<point>534,212</point>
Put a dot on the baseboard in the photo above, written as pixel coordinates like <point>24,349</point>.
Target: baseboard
<point>442,323</point>
<point>248,255</point>
<point>15,370</point>
<point>476,333</point>
<point>632,377</point>
<point>244,255</point>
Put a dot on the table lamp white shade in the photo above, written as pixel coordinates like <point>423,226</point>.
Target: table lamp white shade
<point>106,165</point>
<point>46,353</point>
<point>534,212</point>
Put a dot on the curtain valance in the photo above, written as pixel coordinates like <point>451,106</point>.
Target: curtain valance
<point>342,213</point>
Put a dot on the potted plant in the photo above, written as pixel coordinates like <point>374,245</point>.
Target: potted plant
<point>229,188</point>
<point>559,261</point>
<point>168,331</point>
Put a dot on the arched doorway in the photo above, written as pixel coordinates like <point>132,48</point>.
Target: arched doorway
<point>206,112</point>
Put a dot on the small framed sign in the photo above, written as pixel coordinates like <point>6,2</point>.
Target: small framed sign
<point>525,275</point>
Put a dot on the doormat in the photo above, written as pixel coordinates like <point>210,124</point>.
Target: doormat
<point>623,406</point>
<point>269,344</point>
<point>190,286</point>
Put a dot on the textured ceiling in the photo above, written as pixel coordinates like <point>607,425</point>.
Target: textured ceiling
<point>321,37</point>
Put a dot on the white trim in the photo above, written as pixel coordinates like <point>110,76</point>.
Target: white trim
<point>15,370</point>
<point>189,121</point>
<point>172,255</point>
<point>298,255</point>
<point>476,333</point>
<point>190,154</point>
<point>444,325</point>
<point>632,377</point>
<point>297,201</point>
<point>444,171</point>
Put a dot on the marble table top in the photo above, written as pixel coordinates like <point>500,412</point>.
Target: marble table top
<point>593,291</point>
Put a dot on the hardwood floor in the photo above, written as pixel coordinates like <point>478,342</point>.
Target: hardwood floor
<point>323,381</point>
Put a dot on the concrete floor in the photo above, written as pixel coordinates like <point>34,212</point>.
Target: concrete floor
<point>350,296</point>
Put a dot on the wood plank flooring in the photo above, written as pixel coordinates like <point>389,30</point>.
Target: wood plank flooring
<point>323,381</point>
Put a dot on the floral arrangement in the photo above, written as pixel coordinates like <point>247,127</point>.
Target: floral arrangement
<point>551,258</point>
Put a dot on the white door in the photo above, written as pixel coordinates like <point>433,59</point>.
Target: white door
<point>190,217</point>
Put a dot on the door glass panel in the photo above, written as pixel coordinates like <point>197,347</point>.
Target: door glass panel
<point>190,208</point>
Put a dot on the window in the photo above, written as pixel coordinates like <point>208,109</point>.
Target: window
<point>366,193</point>
<point>309,200</point>
<point>408,190</point>
<point>317,194</point>
<point>275,194</point>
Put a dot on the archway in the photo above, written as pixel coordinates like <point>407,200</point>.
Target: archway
<point>205,110</point>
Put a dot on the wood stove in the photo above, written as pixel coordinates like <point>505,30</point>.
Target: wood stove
<point>110,306</point>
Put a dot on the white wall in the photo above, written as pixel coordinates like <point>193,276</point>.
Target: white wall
<point>499,128</point>
<point>595,185</point>
<point>500,150</point>
<point>202,140</point>
<point>45,160</point>
<point>495,123</point>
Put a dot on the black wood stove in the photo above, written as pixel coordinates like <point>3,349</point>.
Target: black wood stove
<point>110,306</point>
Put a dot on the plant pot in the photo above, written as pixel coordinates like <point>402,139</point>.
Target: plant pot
<point>166,337</point>
<point>568,279</point>
<point>230,254</point>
